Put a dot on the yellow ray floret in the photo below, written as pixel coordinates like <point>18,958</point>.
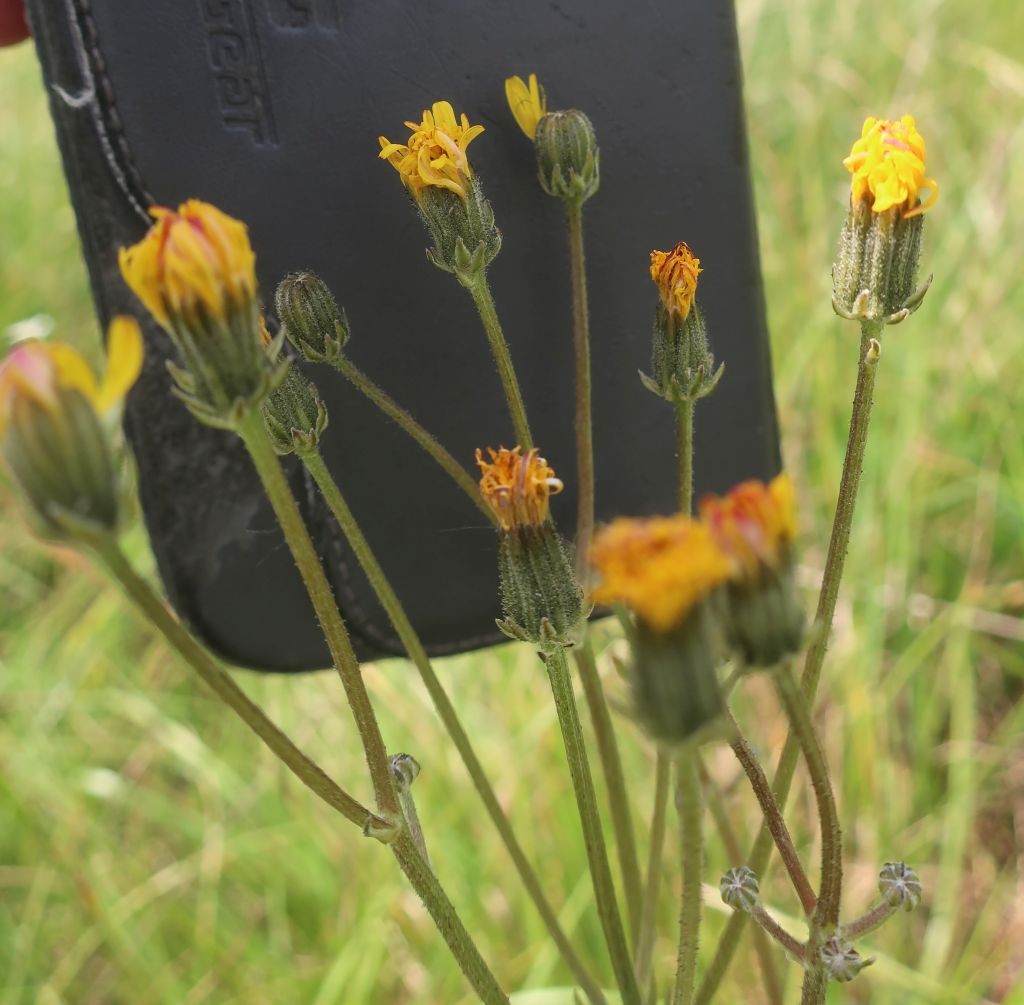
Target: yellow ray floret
<point>517,488</point>
<point>435,153</point>
<point>888,167</point>
<point>659,567</point>
<point>527,101</point>
<point>39,371</point>
<point>675,274</point>
<point>194,258</point>
<point>753,524</point>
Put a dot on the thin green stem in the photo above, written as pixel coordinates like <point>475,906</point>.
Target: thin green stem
<point>481,293</point>
<point>409,425</point>
<point>220,682</point>
<point>692,848</point>
<point>684,444</point>
<point>645,937</point>
<point>268,467</point>
<point>418,655</point>
<point>826,912</point>
<point>762,946</point>
<point>774,820</point>
<point>615,779</point>
<point>409,858</point>
<point>869,921</point>
<point>838,543</point>
<point>447,920</point>
<point>593,836</point>
<point>584,418</point>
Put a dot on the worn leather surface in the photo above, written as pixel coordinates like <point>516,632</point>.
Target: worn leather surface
<point>271,110</point>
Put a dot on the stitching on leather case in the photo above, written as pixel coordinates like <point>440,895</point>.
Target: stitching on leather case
<point>113,119</point>
<point>109,121</point>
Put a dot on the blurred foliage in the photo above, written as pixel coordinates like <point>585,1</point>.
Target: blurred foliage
<point>149,850</point>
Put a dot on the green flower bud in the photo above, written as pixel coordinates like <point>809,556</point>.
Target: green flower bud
<point>875,273</point>
<point>466,239</point>
<point>568,158</point>
<point>294,414</point>
<point>682,363</point>
<point>899,885</point>
<point>310,317</point>
<point>842,961</point>
<point>740,889</point>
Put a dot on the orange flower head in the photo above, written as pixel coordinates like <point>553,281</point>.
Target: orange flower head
<point>753,524</point>
<point>888,167</point>
<point>659,567</point>
<point>435,153</point>
<point>517,487</point>
<point>675,274</point>
<point>193,260</point>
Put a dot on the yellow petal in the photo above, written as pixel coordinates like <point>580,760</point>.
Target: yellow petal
<point>124,361</point>
<point>72,370</point>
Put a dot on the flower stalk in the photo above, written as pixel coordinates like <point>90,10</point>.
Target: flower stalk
<point>690,806</point>
<point>593,835</point>
<point>413,645</point>
<point>220,682</point>
<point>480,290</point>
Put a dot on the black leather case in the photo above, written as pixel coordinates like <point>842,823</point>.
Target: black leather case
<point>271,109</point>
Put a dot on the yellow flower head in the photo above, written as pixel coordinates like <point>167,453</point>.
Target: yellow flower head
<point>527,101</point>
<point>37,372</point>
<point>658,567</point>
<point>754,524</point>
<point>517,488</point>
<point>887,164</point>
<point>193,259</point>
<point>675,274</point>
<point>435,153</point>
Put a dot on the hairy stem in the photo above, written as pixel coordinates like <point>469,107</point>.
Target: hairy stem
<point>593,835</point>
<point>481,293</point>
<point>584,419</point>
<point>410,639</point>
<point>655,854</point>
<point>684,441</point>
<point>774,820</point>
<point>615,779</point>
<point>447,920</point>
<point>692,848</point>
<point>268,467</point>
<point>220,682</point>
<point>839,540</point>
<point>409,425</point>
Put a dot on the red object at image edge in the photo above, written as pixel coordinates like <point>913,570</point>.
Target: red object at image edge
<point>13,26</point>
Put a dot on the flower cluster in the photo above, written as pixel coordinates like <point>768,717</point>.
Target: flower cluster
<point>517,487</point>
<point>675,274</point>
<point>435,153</point>
<point>887,164</point>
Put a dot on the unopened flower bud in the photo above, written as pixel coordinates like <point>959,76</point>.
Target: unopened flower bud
<point>681,359</point>
<point>436,172</point>
<point>294,414</point>
<point>541,600</point>
<point>842,961</point>
<point>310,317</point>
<point>195,272</point>
<point>875,273</point>
<point>53,433</point>
<point>740,889</point>
<point>899,886</point>
<point>754,525</point>
<point>665,570</point>
<point>568,158</point>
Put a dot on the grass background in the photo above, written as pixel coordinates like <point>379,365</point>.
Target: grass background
<point>150,851</point>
